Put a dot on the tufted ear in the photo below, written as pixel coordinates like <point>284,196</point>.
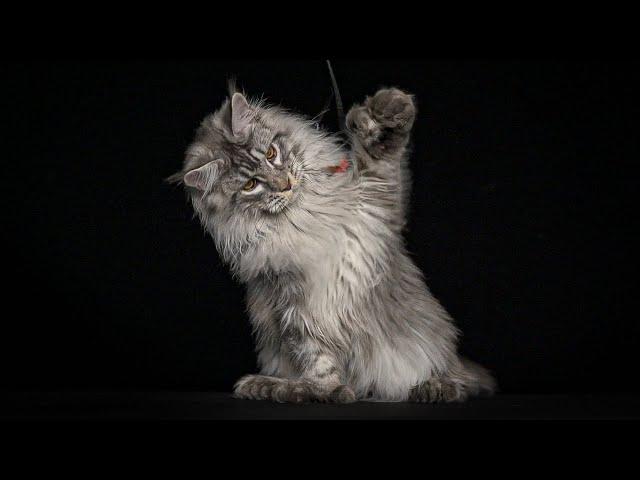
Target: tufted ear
<point>202,178</point>
<point>241,113</point>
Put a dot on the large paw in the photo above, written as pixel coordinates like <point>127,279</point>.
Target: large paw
<point>437,390</point>
<point>342,394</point>
<point>392,108</point>
<point>261,387</point>
<point>257,387</point>
<point>383,123</point>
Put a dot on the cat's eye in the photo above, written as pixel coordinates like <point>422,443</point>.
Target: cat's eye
<point>271,153</point>
<point>250,185</point>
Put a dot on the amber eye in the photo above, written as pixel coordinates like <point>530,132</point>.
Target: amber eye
<point>271,153</point>
<point>250,185</point>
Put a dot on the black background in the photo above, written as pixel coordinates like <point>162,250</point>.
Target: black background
<point>522,217</point>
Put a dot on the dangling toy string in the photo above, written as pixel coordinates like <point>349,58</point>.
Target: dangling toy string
<point>336,92</point>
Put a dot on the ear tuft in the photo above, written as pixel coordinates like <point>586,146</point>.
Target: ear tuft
<point>241,113</point>
<point>176,178</point>
<point>232,86</point>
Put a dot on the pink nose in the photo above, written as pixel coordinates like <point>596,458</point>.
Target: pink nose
<point>282,184</point>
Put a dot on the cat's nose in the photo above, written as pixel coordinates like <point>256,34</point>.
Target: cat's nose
<point>282,184</point>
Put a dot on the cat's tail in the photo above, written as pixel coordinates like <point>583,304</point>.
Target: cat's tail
<point>474,378</point>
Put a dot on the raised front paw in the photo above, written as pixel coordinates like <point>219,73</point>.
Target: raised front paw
<point>383,123</point>
<point>392,108</point>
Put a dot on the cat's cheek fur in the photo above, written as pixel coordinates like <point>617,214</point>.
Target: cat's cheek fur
<point>206,204</point>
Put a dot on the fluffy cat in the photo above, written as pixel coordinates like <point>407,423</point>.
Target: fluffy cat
<point>314,230</point>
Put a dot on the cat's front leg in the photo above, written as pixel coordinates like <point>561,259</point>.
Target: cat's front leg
<point>263,387</point>
<point>284,390</point>
<point>381,125</point>
<point>379,131</point>
<point>320,381</point>
<point>321,369</point>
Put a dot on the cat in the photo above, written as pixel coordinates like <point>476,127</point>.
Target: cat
<point>313,228</point>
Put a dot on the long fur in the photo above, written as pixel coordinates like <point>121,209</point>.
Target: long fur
<point>329,281</point>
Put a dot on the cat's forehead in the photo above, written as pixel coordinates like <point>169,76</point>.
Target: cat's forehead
<point>276,120</point>
<point>233,157</point>
<point>271,123</point>
<point>214,142</point>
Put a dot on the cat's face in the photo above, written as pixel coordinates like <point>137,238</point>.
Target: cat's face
<point>257,173</point>
<point>247,161</point>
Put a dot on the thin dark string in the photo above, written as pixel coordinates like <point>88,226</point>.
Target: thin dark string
<point>327,106</point>
<point>336,92</point>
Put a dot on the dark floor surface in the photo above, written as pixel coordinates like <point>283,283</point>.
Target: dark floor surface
<point>221,406</point>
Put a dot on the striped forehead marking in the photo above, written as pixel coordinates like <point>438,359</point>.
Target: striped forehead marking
<point>261,134</point>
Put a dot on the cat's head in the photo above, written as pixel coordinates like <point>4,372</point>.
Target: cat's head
<point>251,164</point>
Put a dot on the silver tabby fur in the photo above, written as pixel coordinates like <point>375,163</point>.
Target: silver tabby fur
<point>339,310</point>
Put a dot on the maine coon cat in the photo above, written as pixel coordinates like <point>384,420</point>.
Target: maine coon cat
<point>313,228</point>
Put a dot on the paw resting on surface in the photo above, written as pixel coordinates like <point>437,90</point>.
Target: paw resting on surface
<point>437,390</point>
<point>342,394</point>
<point>261,387</point>
<point>383,123</point>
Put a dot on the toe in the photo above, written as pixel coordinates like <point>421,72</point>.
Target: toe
<point>342,394</point>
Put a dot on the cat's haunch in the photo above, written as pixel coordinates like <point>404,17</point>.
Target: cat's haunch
<point>313,228</point>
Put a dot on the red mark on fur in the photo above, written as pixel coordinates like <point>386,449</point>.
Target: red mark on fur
<point>341,168</point>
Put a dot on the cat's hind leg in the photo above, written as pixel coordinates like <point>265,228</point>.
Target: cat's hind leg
<point>437,390</point>
<point>464,379</point>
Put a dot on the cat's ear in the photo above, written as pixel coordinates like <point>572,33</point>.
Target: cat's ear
<point>241,114</point>
<point>202,178</point>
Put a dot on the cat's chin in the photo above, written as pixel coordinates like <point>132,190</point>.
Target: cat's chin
<point>278,204</point>
<point>276,211</point>
<point>281,201</point>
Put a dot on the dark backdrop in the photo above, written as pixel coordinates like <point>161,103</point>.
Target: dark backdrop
<point>521,218</point>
